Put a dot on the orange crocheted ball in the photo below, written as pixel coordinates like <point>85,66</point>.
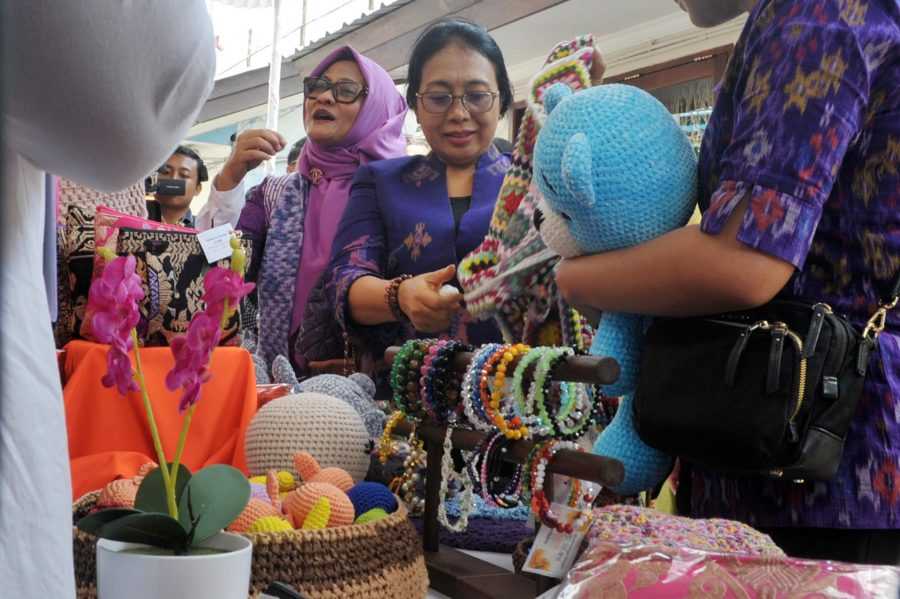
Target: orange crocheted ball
<point>256,509</point>
<point>299,502</point>
<point>119,493</point>
<point>335,476</point>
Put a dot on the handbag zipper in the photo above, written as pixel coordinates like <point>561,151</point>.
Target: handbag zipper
<point>798,345</point>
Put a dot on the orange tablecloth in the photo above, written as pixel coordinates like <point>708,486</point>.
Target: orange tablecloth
<point>108,433</point>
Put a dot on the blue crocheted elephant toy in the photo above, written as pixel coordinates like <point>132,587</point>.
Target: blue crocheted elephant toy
<point>615,170</point>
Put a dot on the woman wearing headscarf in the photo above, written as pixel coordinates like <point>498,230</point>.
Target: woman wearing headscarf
<point>353,115</point>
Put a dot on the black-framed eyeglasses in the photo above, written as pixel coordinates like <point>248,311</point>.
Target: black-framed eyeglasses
<point>473,101</point>
<point>345,92</point>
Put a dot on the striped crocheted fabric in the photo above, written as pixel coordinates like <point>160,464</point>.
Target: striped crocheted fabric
<point>281,258</point>
<point>510,275</point>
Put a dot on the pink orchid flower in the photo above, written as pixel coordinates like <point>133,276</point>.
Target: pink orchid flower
<point>113,301</point>
<point>192,354</point>
<point>221,285</point>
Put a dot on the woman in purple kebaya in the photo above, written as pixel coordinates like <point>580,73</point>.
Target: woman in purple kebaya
<point>353,115</point>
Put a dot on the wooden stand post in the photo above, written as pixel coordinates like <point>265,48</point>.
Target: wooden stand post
<point>457,574</point>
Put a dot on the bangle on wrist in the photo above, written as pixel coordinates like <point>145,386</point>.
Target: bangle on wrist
<point>392,297</point>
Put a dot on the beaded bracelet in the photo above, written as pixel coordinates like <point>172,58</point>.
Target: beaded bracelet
<point>540,505</point>
<point>509,496</point>
<point>469,386</point>
<point>539,387</point>
<point>402,374</point>
<point>386,445</point>
<point>515,428</point>
<point>580,414</point>
<point>439,388</point>
<point>405,376</point>
<point>481,397</point>
<point>405,484</point>
<point>524,409</point>
<point>392,297</point>
<point>426,377</point>
<point>466,503</point>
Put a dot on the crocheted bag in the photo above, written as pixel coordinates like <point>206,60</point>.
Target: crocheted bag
<point>510,275</point>
<point>376,560</point>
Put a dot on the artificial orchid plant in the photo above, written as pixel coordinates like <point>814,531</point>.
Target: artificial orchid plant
<point>173,508</point>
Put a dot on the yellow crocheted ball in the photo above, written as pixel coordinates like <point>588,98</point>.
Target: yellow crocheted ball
<point>255,509</point>
<point>373,515</point>
<point>270,524</point>
<point>335,476</point>
<point>286,481</point>
<point>318,516</point>
<point>300,502</point>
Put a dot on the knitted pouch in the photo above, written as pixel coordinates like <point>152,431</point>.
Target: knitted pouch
<point>510,275</point>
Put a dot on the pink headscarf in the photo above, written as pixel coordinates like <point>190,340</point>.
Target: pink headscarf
<point>376,134</point>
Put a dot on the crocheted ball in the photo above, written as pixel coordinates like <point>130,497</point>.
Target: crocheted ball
<point>300,502</point>
<point>373,515</point>
<point>256,509</point>
<point>119,493</point>
<point>270,524</point>
<point>286,481</point>
<point>335,476</point>
<point>324,426</point>
<point>318,516</point>
<point>357,390</point>
<point>367,496</point>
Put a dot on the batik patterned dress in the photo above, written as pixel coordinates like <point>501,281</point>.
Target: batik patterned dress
<point>806,129</point>
<point>399,221</point>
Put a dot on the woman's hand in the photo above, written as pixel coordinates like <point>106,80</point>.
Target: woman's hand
<point>421,301</point>
<point>251,148</point>
<point>598,67</point>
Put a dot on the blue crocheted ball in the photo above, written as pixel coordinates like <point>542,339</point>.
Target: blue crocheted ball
<point>368,495</point>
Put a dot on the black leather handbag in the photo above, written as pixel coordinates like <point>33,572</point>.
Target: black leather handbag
<point>769,391</point>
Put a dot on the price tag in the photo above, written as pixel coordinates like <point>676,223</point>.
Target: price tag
<point>553,553</point>
<point>216,242</point>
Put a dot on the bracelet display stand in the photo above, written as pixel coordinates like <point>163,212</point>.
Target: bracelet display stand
<point>457,574</point>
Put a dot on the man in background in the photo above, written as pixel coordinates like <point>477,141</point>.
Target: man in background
<point>183,165</point>
<point>294,154</point>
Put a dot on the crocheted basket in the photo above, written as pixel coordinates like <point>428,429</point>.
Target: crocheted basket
<point>381,559</point>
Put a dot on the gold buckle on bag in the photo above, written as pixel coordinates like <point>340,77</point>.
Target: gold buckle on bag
<point>878,320</point>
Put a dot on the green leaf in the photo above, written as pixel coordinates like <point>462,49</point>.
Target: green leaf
<point>151,495</point>
<point>158,530</point>
<point>215,496</point>
<point>92,523</point>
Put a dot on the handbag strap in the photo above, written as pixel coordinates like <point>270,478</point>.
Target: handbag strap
<point>878,320</point>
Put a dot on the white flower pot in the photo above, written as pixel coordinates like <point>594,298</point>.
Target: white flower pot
<point>124,575</point>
